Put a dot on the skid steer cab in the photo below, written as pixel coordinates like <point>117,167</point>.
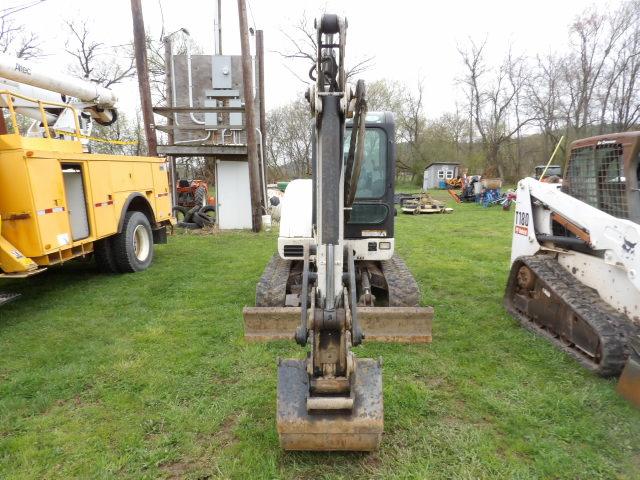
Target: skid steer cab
<point>58,202</point>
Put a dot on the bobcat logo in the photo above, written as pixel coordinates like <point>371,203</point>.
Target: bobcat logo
<point>630,241</point>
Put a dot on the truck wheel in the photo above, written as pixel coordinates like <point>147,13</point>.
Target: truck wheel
<point>103,253</point>
<point>200,196</point>
<point>133,247</point>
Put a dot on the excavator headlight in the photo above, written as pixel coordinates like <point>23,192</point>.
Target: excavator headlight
<point>384,245</point>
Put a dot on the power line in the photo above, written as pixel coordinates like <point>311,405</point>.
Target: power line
<point>18,8</point>
<point>253,20</point>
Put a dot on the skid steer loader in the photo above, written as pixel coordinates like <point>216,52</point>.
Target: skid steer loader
<point>575,258</point>
<point>335,278</point>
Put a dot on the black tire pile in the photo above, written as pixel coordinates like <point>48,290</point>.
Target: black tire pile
<point>196,217</point>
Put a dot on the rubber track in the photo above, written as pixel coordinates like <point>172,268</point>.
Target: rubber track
<point>403,289</point>
<point>612,327</point>
<point>272,287</point>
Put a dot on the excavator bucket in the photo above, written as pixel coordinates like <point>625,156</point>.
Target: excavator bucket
<point>358,428</point>
<point>629,383</point>
<point>379,324</point>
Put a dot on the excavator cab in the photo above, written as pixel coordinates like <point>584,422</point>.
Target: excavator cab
<point>373,211</point>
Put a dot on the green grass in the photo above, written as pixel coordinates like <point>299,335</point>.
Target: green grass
<point>148,376</point>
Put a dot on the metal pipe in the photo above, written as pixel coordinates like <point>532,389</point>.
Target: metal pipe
<point>552,157</point>
<point>190,82</point>
<point>264,177</point>
<point>195,140</point>
<point>330,293</point>
<point>560,240</point>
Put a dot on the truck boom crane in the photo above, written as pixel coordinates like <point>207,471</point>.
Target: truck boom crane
<point>40,84</point>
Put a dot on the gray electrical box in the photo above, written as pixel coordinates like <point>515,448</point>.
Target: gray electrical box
<point>210,119</point>
<point>235,118</point>
<point>221,71</point>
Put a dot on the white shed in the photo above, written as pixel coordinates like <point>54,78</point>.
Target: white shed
<point>437,172</point>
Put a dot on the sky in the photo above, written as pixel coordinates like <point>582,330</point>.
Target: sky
<point>409,40</point>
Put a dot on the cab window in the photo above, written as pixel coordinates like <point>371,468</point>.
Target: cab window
<point>373,173</point>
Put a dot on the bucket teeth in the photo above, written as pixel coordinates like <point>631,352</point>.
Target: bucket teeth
<point>358,429</point>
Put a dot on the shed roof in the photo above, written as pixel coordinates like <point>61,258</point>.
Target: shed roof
<point>441,163</point>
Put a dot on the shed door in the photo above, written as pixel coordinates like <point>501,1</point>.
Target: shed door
<point>233,197</point>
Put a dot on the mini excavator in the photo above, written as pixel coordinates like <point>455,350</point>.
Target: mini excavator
<point>335,277</point>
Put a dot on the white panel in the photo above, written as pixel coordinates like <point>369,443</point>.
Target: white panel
<point>233,195</point>
<point>611,282</point>
<point>296,212</point>
<point>76,203</point>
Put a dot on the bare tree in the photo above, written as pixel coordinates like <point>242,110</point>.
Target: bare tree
<point>288,149</point>
<point>593,38</point>
<point>494,101</point>
<point>17,40</point>
<point>544,90</point>
<point>107,65</point>
<point>303,45</point>
<point>156,61</point>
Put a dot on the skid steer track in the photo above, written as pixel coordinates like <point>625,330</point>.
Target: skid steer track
<point>403,288</point>
<point>576,317</point>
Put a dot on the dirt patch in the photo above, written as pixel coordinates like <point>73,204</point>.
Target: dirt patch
<point>228,380</point>
<point>205,231</point>
<point>224,436</point>
<point>176,469</point>
<point>179,469</point>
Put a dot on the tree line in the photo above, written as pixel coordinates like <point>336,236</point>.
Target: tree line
<point>510,116</point>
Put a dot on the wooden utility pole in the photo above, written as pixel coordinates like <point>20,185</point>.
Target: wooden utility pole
<point>168,52</point>
<point>261,103</point>
<point>218,32</point>
<point>140,47</point>
<point>250,119</point>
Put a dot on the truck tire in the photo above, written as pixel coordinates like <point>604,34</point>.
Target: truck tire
<point>202,219</point>
<point>133,246</point>
<point>200,196</point>
<point>189,225</point>
<point>103,253</point>
<point>180,213</point>
<point>188,217</point>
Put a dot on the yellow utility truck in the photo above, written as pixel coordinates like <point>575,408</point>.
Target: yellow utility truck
<point>57,200</point>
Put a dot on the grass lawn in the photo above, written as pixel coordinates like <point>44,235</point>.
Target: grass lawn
<point>148,376</point>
